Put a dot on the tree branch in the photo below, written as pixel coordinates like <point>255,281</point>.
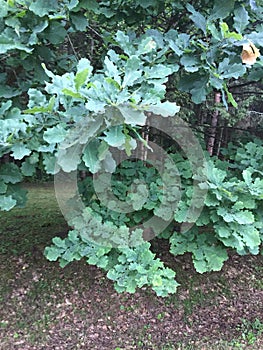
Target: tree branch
<point>243,84</point>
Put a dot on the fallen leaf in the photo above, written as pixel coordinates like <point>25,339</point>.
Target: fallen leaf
<point>250,53</point>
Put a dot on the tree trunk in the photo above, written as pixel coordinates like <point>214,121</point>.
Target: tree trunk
<point>214,122</point>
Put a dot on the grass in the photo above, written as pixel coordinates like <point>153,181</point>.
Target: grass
<point>46,307</point>
<point>251,330</point>
<point>30,228</point>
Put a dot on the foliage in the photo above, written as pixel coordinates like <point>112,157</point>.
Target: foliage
<point>231,218</point>
<point>67,108</point>
<point>129,268</point>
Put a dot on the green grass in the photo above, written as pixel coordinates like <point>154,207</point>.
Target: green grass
<point>250,331</point>
<point>258,280</point>
<point>28,230</point>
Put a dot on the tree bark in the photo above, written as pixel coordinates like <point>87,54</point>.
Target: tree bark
<point>214,122</point>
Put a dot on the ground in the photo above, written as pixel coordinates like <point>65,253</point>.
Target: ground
<point>46,307</point>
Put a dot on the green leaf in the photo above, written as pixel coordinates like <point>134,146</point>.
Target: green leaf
<point>36,110</point>
<point>124,41</point>
<point>56,32</point>
<point>213,30</point>
<point>10,173</point>
<point>245,203</point>
<point>69,158</point>
<point>228,70</point>
<point>112,274</point>
<point>253,4</point>
<point>3,187</point>
<point>129,144</point>
<point>132,116</point>
<point>59,242</point>
<point>39,109</point>
<point>20,150</point>
<point>181,213</point>
<point>164,212</point>
<point>18,194</point>
<point>251,237</point>
<point>199,95</point>
<point>79,21</point>
<point>159,71</point>
<point>36,30</point>
<point>115,136</point>
<point>96,106</point>
<point>157,281</point>
<point>52,253</point>
<point>183,41</point>
<point>247,175</point>
<point>190,63</point>
<point>36,98</point>
<point>216,82</point>
<point>173,43</point>
<point>147,3</point>
<point>132,72</point>
<point>3,8</point>
<point>43,7</point>
<point>223,230</point>
<point>146,45</point>
<point>109,164</point>
<point>7,202</point>
<point>112,70</point>
<point>90,157</point>
<point>196,84</point>
<point>215,257</point>
<point>84,70</point>
<point>8,92</point>
<point>131,78</point>
<point>227,34</point>
<point>230,97</point>
<point>5,106</point>
<point>222,9</point>
<point>107,12</point>
<point>90,5</point>
<point>198,19</point>
<point>73,236</point>
<point>56,134</point>
<point>138,196</point>
<point>63,263</point>
<point>103,150</point>
<point>81,78</point>
<point>28,169</point>
<point>256,37</point>
<point>9,43</point>
<point>49,161</point>
<point>241,19</point>
<point>244,217</point>
<point>200,266</point>
<point>71,93</point>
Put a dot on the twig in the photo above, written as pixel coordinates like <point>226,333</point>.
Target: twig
<point>73,48</point>
<point>94,31</point>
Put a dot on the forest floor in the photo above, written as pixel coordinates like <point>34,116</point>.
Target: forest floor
<point>45,307</point>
